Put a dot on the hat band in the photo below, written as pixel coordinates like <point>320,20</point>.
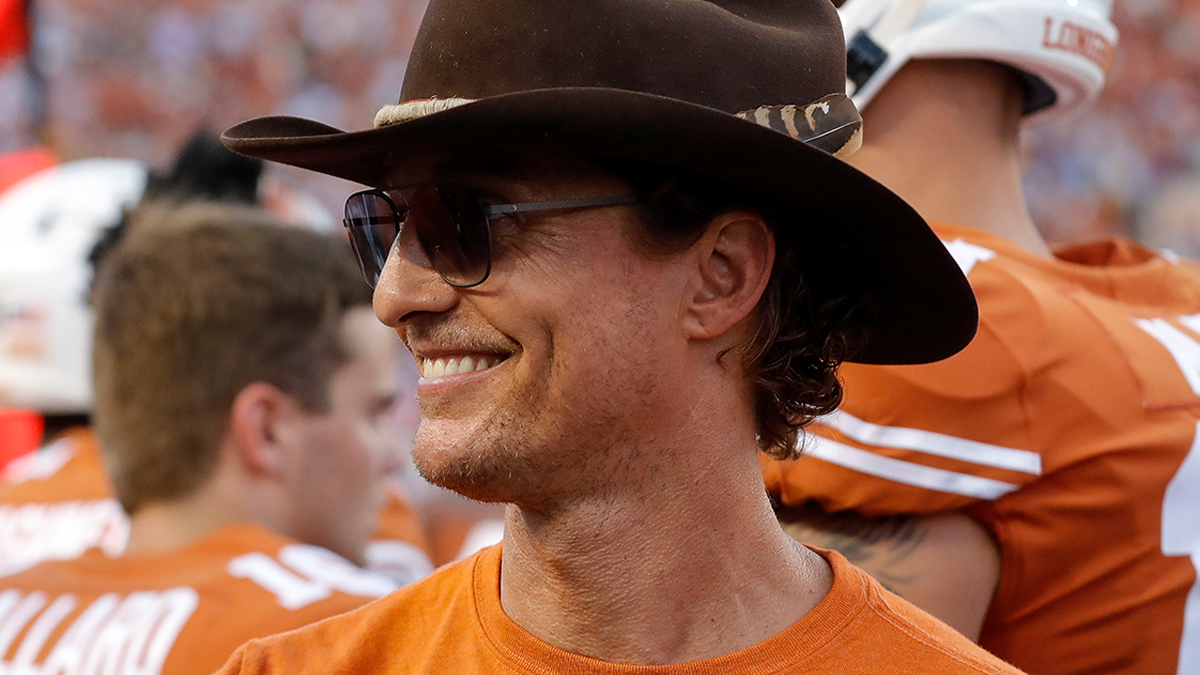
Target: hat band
<point>411,110</point>
<point>831,124</point>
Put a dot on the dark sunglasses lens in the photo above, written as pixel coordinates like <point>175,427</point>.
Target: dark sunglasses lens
<point>453,230</point>
<point>373,224</point>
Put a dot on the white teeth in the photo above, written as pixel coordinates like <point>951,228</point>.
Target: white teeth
<point>441,367</point>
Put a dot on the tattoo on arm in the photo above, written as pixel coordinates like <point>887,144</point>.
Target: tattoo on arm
<point>881,546</point>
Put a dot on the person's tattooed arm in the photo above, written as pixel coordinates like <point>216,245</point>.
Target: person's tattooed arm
<point>879,545</point>
<point>947,564</point>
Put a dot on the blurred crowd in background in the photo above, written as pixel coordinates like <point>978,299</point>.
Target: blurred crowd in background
<point>132,78</point>
<point>1131,164</point>
<point>135,78</point>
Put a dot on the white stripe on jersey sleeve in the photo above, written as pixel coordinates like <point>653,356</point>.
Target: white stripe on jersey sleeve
<point>967,255</point>
<point>904,472</point>
<point>933,443</point>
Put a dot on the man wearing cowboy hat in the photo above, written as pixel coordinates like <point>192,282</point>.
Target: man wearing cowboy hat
<point>613,238</point>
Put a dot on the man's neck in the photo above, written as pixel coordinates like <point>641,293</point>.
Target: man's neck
<point>694,567</point>
<point>944,135</point>
<point>166,526</point>
<point>169,525</point>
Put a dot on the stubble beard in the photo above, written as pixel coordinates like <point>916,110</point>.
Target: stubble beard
<point>541,445</point>
<point>513,456</point>
<point>489,464</point>
<point>491,458</point>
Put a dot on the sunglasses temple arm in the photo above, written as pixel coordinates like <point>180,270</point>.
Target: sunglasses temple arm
<point>566,204</point>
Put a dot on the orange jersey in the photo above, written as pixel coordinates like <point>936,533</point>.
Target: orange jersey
<point>1068,428</point>
<point>176,613</point>
<point>399,548</point>
<point>57,503</point>
<point>452,622</point>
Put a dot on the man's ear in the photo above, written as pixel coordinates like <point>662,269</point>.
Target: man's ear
<point>735,258</point>
<point>257,423</point>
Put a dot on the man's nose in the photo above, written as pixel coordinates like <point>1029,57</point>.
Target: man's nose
<point>409,287</point>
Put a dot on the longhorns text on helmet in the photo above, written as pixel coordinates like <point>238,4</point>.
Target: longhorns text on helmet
<point>1064,47</point>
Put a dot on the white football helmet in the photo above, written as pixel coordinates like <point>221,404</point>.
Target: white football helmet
<point>48,224</point>
<point>1064,47</point>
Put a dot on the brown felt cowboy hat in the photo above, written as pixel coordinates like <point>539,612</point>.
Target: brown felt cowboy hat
<point>747,91</point>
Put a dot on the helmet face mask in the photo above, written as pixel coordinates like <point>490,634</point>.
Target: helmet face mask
<point>1063,47</point>
<point>48,225</point>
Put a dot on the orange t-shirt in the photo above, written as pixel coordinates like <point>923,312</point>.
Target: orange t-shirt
<point>176,613</point>
<point>57,502</point>
<point>1068,428</point>
<point>452,622</point>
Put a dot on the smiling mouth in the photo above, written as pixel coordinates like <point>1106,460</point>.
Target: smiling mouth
<point>457,365</point>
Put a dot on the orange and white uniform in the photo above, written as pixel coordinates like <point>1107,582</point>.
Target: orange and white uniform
<point>453,622</point>
<point>399,548</point>
<point>1069,429</point>
<point>177,613</point>
<point>57,502</point>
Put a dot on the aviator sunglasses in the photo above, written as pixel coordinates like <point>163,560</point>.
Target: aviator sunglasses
<point>451,222</point>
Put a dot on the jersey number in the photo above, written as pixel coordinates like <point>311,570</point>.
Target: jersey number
<point>1180,526</point>
<point>305,574</point>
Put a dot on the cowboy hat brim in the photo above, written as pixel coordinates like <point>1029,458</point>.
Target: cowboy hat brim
<point>924,310</point>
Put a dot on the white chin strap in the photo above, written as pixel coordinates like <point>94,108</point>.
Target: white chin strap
<point>866,48</point>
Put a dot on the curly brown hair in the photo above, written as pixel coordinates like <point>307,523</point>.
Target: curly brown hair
<point>807,322</point>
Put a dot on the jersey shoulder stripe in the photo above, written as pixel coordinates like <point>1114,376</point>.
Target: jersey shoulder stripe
<point>933,443</point>
<point>909,473</point>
